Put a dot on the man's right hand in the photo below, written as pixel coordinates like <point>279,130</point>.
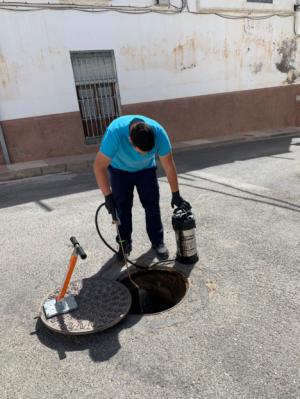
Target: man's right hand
<point>110,204</point>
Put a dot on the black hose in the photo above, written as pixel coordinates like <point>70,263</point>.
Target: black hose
<point>116,252</point>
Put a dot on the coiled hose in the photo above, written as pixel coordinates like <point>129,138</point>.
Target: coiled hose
<point>116,252</point>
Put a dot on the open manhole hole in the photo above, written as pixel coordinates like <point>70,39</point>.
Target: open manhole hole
<point>159,290</point>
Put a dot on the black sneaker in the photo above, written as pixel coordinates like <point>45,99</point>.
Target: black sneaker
<point>161,250</point>
<point>127,248</point>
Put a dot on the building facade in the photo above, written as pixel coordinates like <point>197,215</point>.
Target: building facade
<point>202,68</point>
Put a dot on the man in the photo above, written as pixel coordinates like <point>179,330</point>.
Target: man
<point>128,152</point>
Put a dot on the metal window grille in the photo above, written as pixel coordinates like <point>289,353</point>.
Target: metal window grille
<point>97,91</point>
<point>260,1</point>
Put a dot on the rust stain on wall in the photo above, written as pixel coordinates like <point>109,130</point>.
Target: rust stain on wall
<point>180,58</point>
<point>4,73</point>
<point>56,50</point>
<point>9,79</point>
<point>185,54</point>
<point>128,51</point>
<point>258,50</point>
<point>135,57</point>
<point>226,50</point>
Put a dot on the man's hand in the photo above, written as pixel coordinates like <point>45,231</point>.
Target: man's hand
<point>110,204</point>
<point>178,201</point>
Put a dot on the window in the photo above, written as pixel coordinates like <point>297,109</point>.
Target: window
<point>260,1</point>
<point>97,91</point>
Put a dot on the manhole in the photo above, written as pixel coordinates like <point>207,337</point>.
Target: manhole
<point>160,290</point>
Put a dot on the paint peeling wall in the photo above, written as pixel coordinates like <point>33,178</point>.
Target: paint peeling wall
<point>158,56</point>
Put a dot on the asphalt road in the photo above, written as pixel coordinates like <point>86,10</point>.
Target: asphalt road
<point>235,335</point>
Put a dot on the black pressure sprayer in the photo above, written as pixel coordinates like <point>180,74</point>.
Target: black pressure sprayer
<point>184,224</point>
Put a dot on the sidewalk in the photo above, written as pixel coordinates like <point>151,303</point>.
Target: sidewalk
<point>84,162</point>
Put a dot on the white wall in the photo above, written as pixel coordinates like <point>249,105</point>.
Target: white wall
<point>157,56</point>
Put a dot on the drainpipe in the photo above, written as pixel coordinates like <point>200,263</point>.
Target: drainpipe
<point>4,148</point>
<point>296,18</point>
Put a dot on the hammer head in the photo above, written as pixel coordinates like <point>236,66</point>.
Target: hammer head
<point>54,308</point>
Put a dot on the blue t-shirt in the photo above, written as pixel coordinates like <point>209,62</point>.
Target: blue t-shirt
<point>116,144</point>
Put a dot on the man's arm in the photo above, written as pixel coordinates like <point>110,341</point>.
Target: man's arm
<point>100,170</point>
<point>168,165</point>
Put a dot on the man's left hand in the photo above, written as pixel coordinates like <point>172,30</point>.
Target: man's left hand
<point>178,201</point>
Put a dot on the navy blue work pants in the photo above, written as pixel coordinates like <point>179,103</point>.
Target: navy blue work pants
<point>145,181</point>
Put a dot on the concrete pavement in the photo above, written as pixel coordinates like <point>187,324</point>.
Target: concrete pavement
<point>237,332</point>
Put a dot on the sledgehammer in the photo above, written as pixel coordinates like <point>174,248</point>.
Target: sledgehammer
<point>65,304</point>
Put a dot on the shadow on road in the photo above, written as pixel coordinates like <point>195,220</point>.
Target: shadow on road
<point>39,189</point>
<point>101,346</point>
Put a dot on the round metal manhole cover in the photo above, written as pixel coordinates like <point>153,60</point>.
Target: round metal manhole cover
<point>101,304</point>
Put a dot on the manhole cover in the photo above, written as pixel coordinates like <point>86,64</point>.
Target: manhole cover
<point>159,290</point>
<point>101,304</point>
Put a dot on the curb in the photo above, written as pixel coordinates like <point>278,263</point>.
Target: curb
<point>47,167</point>
<point>82,163</point>
<point>223,142</point>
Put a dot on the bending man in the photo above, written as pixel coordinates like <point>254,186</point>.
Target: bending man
<point>127,153</point>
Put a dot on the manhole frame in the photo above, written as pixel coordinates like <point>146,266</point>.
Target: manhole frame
<point>76,284</point>
<point>135,270</point>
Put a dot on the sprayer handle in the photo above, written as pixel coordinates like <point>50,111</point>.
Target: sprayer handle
<point>115,217</point>
<point>79,250</point>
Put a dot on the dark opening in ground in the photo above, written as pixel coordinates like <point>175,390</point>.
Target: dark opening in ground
<point>158,291</point>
